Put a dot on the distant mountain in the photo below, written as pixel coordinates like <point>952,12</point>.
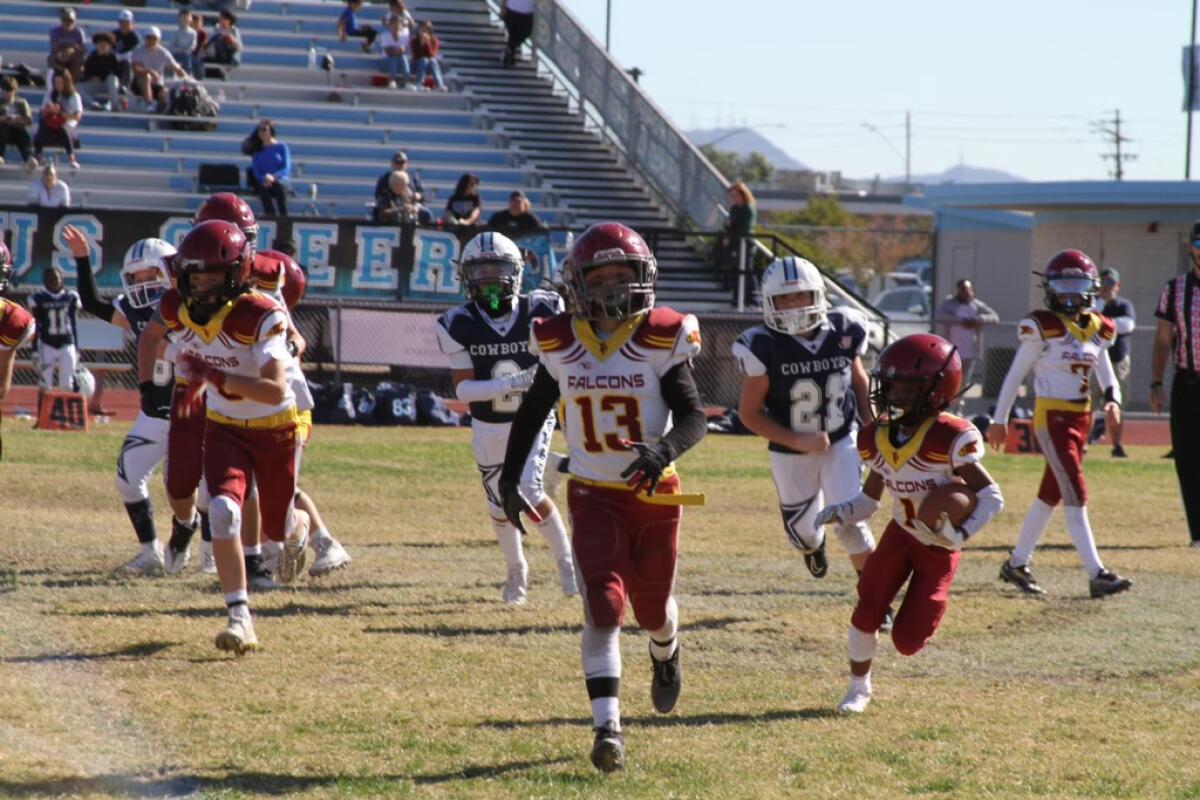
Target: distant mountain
<point>963,173</point>
<point>744,142</point>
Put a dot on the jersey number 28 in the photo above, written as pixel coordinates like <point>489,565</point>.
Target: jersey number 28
<point>807,401</point>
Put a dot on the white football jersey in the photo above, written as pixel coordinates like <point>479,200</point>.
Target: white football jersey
<point>940,445</point>
<point>611,389</point>
<point>240,339</point>
<point>1069,352</point>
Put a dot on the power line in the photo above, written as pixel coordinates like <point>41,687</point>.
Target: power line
<point>1110,129</point>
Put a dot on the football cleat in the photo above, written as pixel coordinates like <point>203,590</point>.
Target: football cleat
<point>608,751</point>
<point>1020,577</point>
<point>566,576</point>
<point>258,576</point>
<point>667,681</point>
<point>174,562</point>
<point>237,637</point>
<point>1106,583</point>
<point>208,564</point>
<point>1119,452</point>
<point>178,549</point>
<point>889,619</point>
<point>816,561</point>
<point>271,553</point>
<point>515,585</point>
<point>856,700</point>
<point>330,556</point>
<point>292,561</point>
<point>148,563</point>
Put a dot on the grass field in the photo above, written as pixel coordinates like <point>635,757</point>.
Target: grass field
<point>405,676</point>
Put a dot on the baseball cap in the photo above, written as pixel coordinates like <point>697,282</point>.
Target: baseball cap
<point>399,155</point>
<point>125,16</point>
<point>1110,276</point>
<point>67,13</point>
<point>517,193</point>
<point>153,31</point>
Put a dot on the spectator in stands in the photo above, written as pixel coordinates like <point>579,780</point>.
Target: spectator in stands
<point>198,50</point>
<point>127,41</point>
<point>396,8</point>
<point>347,25</point>
<point>425,49</point>
<point>394,43</point>
<point>399,162</point>
<point>463,208</point>
<point>62,109</point>
<point>399,204</point>
<point>101,74</point>
<point>271,167</point>
<point>66,44</point>
<point>743,215</point>
<point>183,42</point>
<point>151,62</point>
<point>224,46</point>
<point>517,219</point>
<point>15,122</point>
<point>518,21</point>
<point>48,191</point>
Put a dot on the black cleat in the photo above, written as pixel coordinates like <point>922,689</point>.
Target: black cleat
<point>667,681</point>
<point>608,751</point>
<point>258,576</point>
<point>889,618</point>
<point>816,561</point>
<point>1020,577</point>
<point>1106,583</point>
<point>1118,451</point>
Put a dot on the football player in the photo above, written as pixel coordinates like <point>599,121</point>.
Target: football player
<point>803,385</point>
<point>486,342</point>
<point>56,309</point>
<point>17,326</point>
<point>623,368</point>
<point>911,449</point>
<point>232,350</point>
<point>1063,346</point>
<point>144,279</point>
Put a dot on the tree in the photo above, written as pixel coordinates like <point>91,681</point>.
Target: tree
<point>754,168</point>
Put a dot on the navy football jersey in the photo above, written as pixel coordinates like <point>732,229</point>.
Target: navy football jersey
<point>137,319</point>
<point>56,315</point>
<point>494,348</point>
<point>809,386</point>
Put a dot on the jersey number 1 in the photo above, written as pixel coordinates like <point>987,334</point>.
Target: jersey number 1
<point>807,402</point>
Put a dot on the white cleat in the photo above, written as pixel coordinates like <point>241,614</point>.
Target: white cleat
<point>566,576</point>
<point>147,564</point>
<point>514,585</point>
<point>551,477</point>
<point>272,553</point>
<point>330,556</point>
<point>208,564</point>
<point>175,562</point>
<point>292,561</point>
<point>855,702</point>
<point>238,637</point>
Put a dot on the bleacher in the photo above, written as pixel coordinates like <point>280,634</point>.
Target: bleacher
<point>509,126</point>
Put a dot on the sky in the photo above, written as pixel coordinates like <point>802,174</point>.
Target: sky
<point>1018,86</point>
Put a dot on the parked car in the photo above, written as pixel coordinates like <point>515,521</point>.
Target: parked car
<point>922,268</point>
<point>909,309</point>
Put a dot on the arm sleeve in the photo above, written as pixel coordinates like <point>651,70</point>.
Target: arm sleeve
<point>88,296</point>
<point>683,398</point>
<point>1108,378</point>
<point>531,416</point>
<point>988,503</point>
<point>479,391</point>
<point>1027,355</point>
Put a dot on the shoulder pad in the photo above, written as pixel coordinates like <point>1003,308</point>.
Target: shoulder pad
<point>267,269</point>
<point>14,323</point>
<point>866,442</point>
<point>1049,324</point>
<point>939,439</point>
<point>543,303</point>
<point>1108,328</point>
<point>456,321</point>
<point>247,315</point>
<point>659,329</point>
<point>553,333</point>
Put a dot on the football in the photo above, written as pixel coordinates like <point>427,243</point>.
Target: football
<point>953,499</point>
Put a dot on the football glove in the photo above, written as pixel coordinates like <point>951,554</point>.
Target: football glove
<point>152,404</point>
<point>521,381</point>
<point>944,531</point>
<point>199,375</point>
<point>515,503</point>
<point>830,515</point>
<point>647,469</point>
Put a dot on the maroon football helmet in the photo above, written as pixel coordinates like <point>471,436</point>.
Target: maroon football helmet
<point>6,265</point>
<point>229,207</point>
<point>1070,282</point>
<point>916,377</point>
<point>212,247</point>
<point>295,282</point>
<point>601,245</point>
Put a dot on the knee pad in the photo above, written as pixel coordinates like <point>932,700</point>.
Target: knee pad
<point>225,518</point>
<point>855,538</point>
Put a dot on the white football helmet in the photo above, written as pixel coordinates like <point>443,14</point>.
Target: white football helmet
<point>491,266</point>
<point>85,382</point>
<point>787,276</point>
<point>146,254</point>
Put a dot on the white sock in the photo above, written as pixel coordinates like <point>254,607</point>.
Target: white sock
<point>662,641</point>
<point>156,546</point>
<point>1080,532</point>
<point>252,549</point>
<point>321,535</point>
<point>1032,530</point>
<point>509,539</point>
<point>605,709</point>
<point>555,533</point>
<point>238,603</point>
<point>861,683</point>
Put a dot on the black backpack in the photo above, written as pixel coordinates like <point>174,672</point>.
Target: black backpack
<point>395,404</point>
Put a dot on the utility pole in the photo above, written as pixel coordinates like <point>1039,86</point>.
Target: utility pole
<point>1191,97</point>
<point>608,25</point>
<point>907,149</point>
<point>1110,129</point>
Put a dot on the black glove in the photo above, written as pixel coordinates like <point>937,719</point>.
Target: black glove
<point>514,503</point>
<point>152,401</point>
<point>647,468</point>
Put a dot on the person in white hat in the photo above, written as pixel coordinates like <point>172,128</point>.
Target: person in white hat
<point>151,63</point>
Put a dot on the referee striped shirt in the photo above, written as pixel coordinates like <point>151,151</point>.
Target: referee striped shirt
<point>1179,305</point>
